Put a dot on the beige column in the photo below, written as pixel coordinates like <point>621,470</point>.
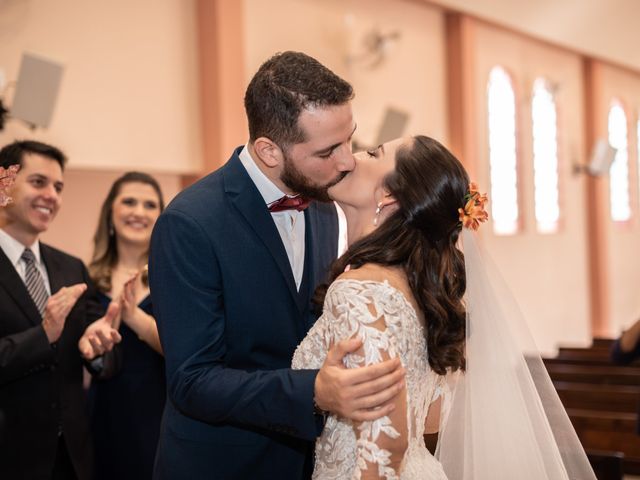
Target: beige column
<point>460,31</point>
<point>221,57</point>
<point>596,203</point>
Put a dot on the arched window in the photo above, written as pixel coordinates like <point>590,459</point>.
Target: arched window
<point>545,157</point>
<point>619,174</point>
<point>502,152</point>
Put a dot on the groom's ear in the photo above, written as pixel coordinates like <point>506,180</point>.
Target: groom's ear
<point>267,152</point>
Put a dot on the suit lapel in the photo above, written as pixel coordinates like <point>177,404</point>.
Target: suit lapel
<point>245,196</point>
<point>311,229</point>
<point>14,285</point>
<point>312,259</point>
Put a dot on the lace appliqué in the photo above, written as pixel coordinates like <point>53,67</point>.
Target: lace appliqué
<point>382,317</point>
<point>368,450</point>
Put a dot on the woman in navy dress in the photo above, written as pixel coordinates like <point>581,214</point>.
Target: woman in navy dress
<point>126,408</point>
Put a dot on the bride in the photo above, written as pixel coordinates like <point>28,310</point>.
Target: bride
<point>399,288</point>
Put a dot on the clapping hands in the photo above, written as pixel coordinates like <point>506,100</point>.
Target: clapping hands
<point>58,307</point>
<point>136,319</point>
<point>101,335</point>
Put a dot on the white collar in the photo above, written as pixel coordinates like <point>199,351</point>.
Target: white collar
<point>270,193</point>
<point>13,249</point>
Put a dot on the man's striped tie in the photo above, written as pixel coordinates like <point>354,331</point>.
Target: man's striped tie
<point>34,281</point>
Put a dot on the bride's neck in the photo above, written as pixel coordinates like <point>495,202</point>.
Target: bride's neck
<point>359,223</point>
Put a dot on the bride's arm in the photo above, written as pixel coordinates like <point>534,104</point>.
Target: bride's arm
<point>381,443</point>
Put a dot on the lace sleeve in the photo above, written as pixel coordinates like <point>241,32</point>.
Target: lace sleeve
<point>368,312</point>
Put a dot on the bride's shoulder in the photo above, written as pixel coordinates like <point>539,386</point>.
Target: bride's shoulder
<point>372,272</point>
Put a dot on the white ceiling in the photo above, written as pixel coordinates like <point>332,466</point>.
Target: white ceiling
<point>606,29</point>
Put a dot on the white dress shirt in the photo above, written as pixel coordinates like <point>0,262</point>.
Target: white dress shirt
<point>290,223</point>
<point>13,249</point>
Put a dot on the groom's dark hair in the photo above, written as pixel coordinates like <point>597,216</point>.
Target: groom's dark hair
<point>282,88</point>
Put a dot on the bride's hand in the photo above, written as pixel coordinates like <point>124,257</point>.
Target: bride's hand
<point>360,394</point>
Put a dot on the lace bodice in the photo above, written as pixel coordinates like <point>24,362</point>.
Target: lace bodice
<point>381,316</point>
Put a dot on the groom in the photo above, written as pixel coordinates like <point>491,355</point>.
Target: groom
<point>234,263</point>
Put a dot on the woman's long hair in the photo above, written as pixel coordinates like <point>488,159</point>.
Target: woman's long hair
<point>429,184</point>
<point>105,249</point>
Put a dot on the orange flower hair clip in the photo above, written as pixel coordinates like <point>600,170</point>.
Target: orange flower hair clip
<point>473,213</point>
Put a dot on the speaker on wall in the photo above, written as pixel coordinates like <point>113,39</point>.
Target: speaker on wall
<point>393,124</point>
<point>37,89</point>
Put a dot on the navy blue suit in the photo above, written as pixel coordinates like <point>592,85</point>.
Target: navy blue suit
<point>230,317</point>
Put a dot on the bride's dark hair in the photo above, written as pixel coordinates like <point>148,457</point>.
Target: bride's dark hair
<point>429,184</point>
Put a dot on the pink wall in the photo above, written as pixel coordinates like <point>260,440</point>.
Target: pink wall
<point>129,95</point>
<point>411,78</point>
<point>547,272</point>
<point>622,239</point>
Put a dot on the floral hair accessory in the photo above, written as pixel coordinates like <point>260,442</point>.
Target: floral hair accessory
<point>473,213</point>
<point>7,177</point>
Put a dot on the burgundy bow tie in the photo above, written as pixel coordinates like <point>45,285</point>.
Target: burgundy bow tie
<point>298,203</point>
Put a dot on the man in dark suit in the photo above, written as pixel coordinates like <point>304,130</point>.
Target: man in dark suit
<point>234,263</point>
<point>45,306</point>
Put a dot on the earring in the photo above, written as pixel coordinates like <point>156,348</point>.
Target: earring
<point>112,231</point>
<point>377,217</point>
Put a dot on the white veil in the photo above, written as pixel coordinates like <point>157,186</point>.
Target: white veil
<point>505,419</point>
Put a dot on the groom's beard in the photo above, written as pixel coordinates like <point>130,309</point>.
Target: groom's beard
<point>298,183</point>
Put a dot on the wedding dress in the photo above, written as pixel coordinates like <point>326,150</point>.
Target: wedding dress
<point>383,318</point>
<point>500,420</point>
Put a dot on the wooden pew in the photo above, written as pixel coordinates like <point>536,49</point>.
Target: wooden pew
<point>598,374</point>
<point>603,421</point>
<point>584,355</point>
<point>602,402</point>
<point>617,398</point>
<point>603,342</point>
<point>607,431</point>
<point>579,358</point>
<point>599,353</point>
<point>606,465</point>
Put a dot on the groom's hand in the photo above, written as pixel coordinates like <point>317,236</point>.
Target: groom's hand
<point>360,394</point>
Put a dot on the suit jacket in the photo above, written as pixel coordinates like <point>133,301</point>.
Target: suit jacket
<point>41,383</point>
<point>230,318</point>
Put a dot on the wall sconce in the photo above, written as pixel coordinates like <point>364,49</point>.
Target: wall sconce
<point>375,46</point>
